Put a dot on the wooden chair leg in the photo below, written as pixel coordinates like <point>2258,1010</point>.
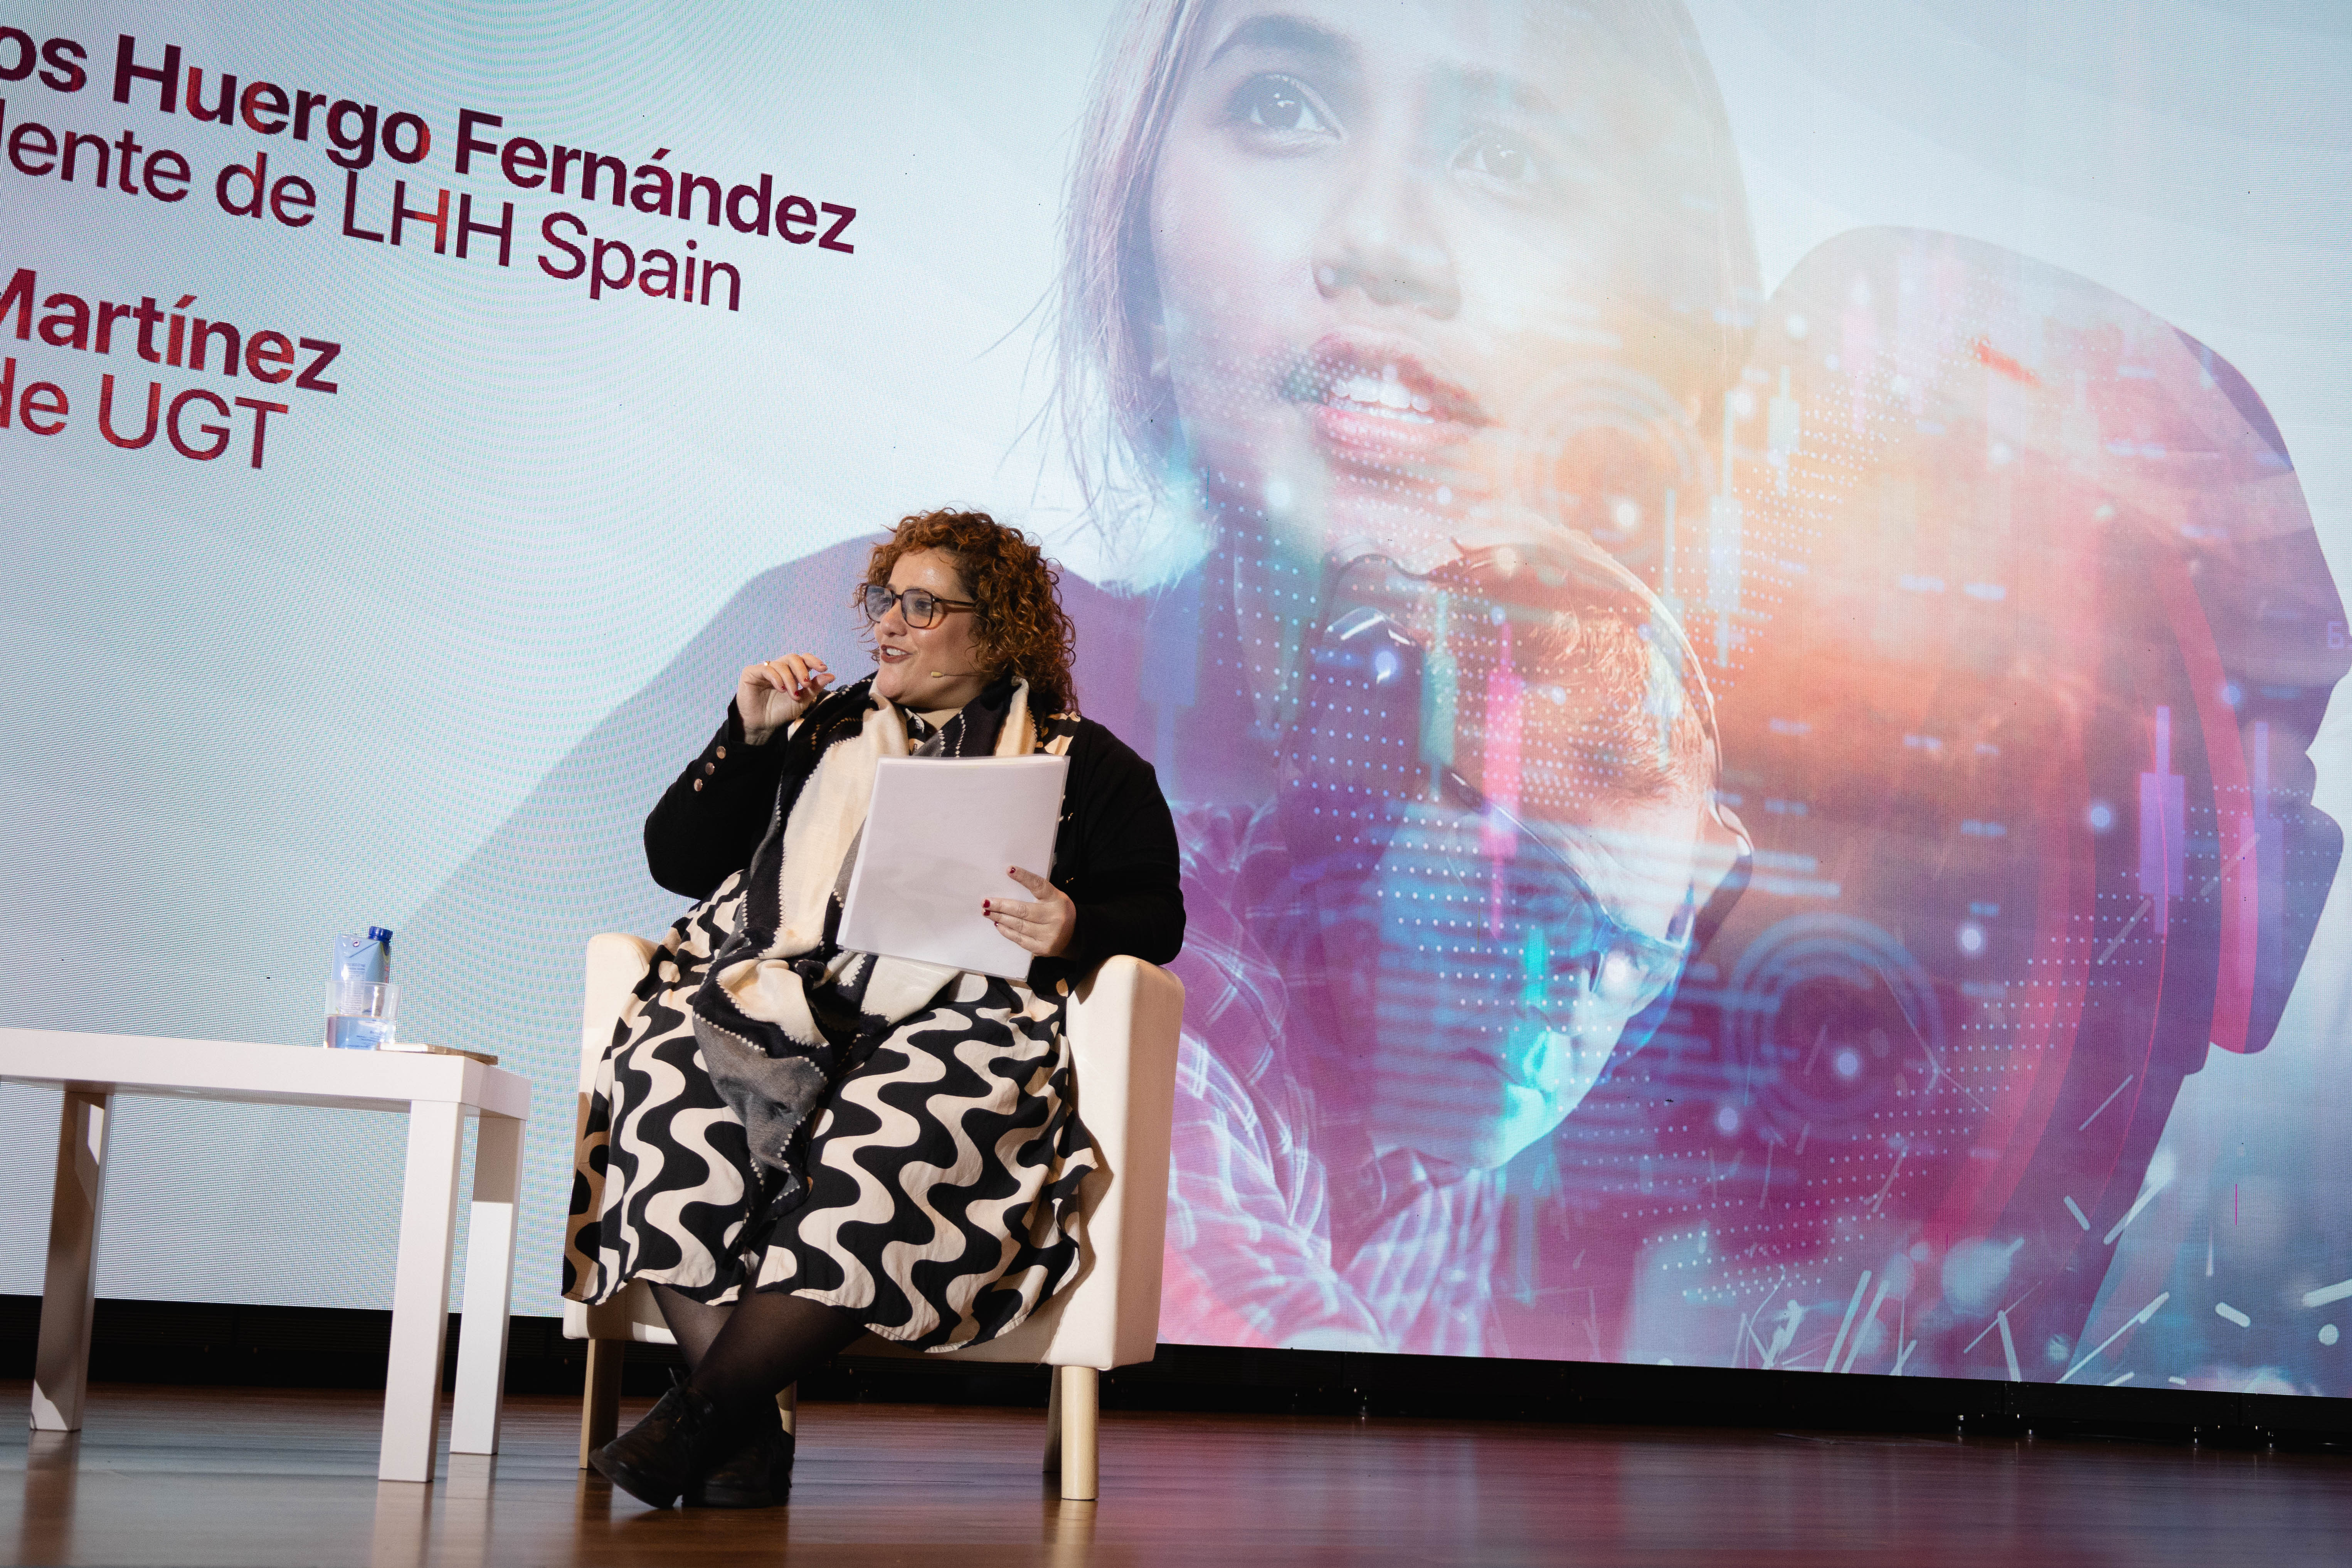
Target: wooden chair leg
<point>600,1397</point>
<point>788,1406</point>
<point>1080,1388</point>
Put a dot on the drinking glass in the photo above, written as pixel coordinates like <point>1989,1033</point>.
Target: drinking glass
<point>361,1014</point>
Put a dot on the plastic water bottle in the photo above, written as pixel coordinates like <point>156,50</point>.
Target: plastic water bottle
<point>362,1004</point>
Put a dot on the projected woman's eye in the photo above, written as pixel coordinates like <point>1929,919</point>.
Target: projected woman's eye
<point>1500,159</point>
<point>1279,104</point>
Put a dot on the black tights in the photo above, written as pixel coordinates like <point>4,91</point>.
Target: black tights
<point>752,1349</point>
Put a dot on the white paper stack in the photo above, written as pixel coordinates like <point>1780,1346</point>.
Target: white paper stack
<point>938,839</point>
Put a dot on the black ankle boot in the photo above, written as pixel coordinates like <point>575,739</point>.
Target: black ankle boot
<point>757,1471</point>
<point>654,1460</point>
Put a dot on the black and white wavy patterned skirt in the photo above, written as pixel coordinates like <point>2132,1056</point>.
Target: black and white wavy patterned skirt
<point>943,1173</point>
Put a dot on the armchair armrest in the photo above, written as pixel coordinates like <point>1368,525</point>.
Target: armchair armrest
<point>617,961</point>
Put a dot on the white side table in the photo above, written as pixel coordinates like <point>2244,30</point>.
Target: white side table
<point>439,1092</point>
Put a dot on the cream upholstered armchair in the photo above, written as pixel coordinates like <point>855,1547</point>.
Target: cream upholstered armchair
<point>1123,1024</point>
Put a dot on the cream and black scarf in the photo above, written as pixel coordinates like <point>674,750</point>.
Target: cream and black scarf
<point>785,1013</point>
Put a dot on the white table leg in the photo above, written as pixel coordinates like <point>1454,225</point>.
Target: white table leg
<point>490,1286</point>
<point>420,1291</point>
<point>68,1289</point>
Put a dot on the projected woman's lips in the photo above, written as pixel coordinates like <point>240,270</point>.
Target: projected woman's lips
<point>1380,398</point>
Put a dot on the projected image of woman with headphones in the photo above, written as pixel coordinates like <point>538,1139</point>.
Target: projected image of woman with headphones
<point>1396,312</point>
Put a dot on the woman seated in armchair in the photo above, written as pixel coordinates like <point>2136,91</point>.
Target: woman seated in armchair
<point>795,1144</point>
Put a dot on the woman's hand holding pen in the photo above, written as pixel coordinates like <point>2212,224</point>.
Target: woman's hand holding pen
<point>773,694</point>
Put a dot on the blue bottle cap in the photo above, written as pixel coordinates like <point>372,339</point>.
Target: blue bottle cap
<point>377,934</point>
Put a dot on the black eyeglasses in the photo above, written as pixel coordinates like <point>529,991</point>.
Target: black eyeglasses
<point>922,607</point>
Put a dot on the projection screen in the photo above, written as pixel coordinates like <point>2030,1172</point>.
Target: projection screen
<point>1735,601</point>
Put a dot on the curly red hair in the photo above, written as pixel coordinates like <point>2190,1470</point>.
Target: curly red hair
<point>1020,627</point>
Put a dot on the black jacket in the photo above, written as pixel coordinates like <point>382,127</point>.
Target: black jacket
<point>1113,853</point>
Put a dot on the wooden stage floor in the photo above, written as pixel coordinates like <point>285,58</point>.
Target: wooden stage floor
<point>249,1478</point>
